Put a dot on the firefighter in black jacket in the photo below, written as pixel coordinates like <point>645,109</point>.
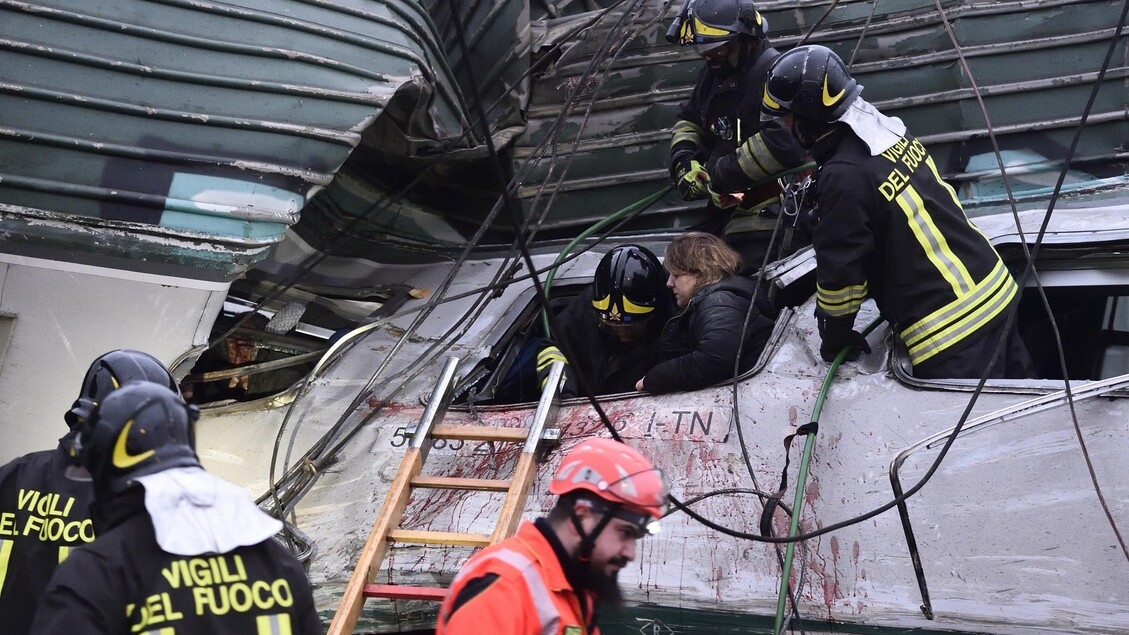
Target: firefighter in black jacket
<point>888,227</point>
<point>179,551</point>
<point>43,514</point>
<point>612,327</point>
<point>719,146</point>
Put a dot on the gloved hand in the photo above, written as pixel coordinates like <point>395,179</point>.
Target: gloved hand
<point>724,201</point>
<point>838,333</point>
<point>692,180</point>
<point>545,358</point>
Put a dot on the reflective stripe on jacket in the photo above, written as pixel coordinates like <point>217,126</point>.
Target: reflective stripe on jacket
<point>891,229</point>
<point>515,587</point>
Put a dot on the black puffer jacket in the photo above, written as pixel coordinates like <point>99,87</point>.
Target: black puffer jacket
<point>699,344</point>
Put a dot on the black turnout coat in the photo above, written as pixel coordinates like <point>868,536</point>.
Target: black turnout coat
<point>699,344</point>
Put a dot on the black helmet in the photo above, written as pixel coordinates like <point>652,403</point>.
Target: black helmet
<point>141,428</point>
<point>630,283</point>
<point>109,372</point>
<point>712,22</point>
<point>810,82</point>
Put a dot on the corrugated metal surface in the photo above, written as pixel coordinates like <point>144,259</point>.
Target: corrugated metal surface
<point>214,119</point>
<point>596,137</point>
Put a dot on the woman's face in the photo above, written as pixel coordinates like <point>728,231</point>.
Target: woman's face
<point>684,285</point>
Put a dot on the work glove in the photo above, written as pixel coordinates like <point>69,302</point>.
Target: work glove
<point>723,201</point>
<point>545,358</point>
<point>838,333</point>
<point>692,180</point>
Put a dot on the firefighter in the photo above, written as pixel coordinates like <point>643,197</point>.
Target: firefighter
<point>550,576</point>
<point>612,327</point>
<point>43,514</point>
<point>178,550</point>
<point>889,228</point>
<point>719,145</point>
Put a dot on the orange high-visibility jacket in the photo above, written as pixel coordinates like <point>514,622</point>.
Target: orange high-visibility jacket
<point>515,587</point>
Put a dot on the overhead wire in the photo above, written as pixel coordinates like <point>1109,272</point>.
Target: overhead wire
<point>307,466</point>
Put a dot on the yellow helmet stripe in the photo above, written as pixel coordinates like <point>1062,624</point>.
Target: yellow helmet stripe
<point>704,30</point>
<point>603,303</point>
<point>631,307</point>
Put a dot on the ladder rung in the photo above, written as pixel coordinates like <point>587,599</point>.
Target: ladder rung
<point>450,482</point>
<point>400,592</point>
<point>438,538</point>
<point>478,433</point>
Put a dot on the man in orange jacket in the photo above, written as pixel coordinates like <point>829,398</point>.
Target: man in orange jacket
<point>550,576</point>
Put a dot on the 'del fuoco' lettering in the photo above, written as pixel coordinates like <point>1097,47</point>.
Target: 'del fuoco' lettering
<point>241,597</point>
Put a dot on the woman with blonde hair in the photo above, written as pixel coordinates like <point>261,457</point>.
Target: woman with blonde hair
<point>699,344</point>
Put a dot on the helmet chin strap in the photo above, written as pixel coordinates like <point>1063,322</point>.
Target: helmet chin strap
<point>587,540</point>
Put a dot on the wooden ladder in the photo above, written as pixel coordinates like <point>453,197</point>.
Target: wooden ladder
<point>386,529</point>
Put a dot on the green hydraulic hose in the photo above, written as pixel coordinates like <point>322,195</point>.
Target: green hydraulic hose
<point>630,209</point>
<point>801,480</point>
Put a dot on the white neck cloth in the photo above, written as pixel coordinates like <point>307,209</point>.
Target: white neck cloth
<point>877,130</point>
<point>195,513</point>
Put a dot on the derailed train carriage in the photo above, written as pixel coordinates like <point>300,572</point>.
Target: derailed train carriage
<point>405,255</point>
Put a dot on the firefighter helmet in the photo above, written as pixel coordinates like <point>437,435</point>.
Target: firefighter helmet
<point>141,428</point>
<point>109,372</point>
<point>810,82</point>
<point>630,283</point>
<point>709,23</point>
<point>616,473</point>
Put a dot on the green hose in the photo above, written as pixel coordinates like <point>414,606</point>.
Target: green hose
<point>802,479</point>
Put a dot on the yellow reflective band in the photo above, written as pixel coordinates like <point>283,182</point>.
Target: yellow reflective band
<point>5,558</point>
<point>64,551</point>
<point>168,630</point>
<point>273,624</point>
<point>684,131</point>
<point>603,303</point>
<point>757,161</point>
<point>122,458</point>
<point>984,293</point>
<point>840,302</point>
<point>934,243</point>
<point>635,309</point>
<point>828,100</point>
<point>966,326</point>
<point>549,355</point>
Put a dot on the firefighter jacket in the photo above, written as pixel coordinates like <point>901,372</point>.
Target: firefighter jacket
<point>517,587</point>
<point>609,365</point>
<point>699,344</point>
<point>43,515</point>
<point>125,583</point>
<point>889,228</point>
<point>720,126</point>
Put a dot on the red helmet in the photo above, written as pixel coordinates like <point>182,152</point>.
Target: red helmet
<point>615,472</point>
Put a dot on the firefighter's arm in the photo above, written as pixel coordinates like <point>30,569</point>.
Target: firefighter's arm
<point>757,160</point>
<point>686,156</point>
<point>489,604</point>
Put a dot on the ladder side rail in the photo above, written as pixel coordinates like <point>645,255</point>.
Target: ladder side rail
<point>392,511</point>
<point>514,503</point>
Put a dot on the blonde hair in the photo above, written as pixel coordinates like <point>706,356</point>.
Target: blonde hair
<point>703,255</point>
